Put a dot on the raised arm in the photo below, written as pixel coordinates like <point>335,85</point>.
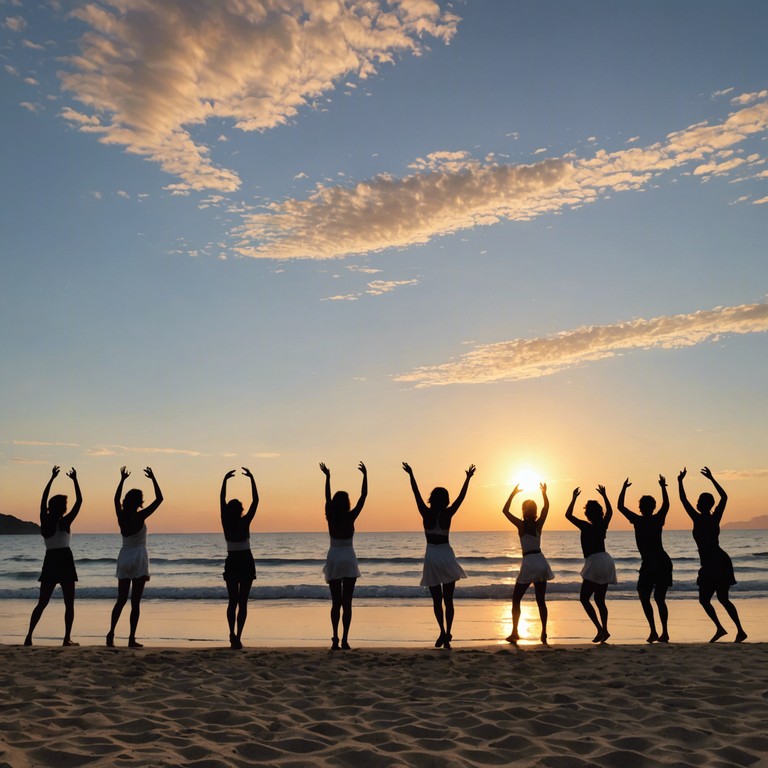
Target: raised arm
<point>124,475</point>
<point>608,508</point>
<point>516,521</point>
<point>249,515</point>
<point>454,508</point>
<point>422,507</point>
<point>46,491</point>
<point>147,511</point>
<point>692,513</point>
<point>664,508</point>
<point>631,516</point>
<point>327,473</point>
<point>72,514</point>
<point>223,494</point>
<point>544,510</point>
<point>569,516</point>
<point>720,508</point>
<point>363,491</point>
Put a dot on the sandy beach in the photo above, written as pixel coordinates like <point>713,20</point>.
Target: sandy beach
<point>564,707</point>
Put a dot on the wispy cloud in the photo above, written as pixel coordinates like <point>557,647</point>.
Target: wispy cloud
<point>374,288</point>
<point>15,23</point>
<point>533,358</point>
<point>118,450</point>
<point>148,72</point>
<point>44,444</point>
<point>741,474</point>
<point>450,192</point>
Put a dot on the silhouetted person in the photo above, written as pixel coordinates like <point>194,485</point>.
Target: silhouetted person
<point>656,567</point>
<point>716,572</point>
<point>239,568</point>
<point>340,570</point>
<point>534,567</point>
<point>599,569</point>
<point>133,560</point>
<point>58,565</point>
<point>441,569</point>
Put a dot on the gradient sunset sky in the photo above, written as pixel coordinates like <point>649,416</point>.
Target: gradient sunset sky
<point>527,235</point>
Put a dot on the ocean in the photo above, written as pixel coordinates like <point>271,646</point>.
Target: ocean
<point>289,565</point>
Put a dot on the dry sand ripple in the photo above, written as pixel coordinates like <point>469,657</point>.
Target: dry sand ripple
<point>564,707</point>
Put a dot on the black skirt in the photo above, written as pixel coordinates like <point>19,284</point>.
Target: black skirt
<point>716,570</point>
<point>655,571</point>
<point>58,566</point>
<point>239,566</point>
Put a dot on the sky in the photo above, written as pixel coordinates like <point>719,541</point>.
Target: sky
<point>529,235</point>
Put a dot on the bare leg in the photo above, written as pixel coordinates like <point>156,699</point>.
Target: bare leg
<point>517,596</point>
<point>123,586</point>
<point>232,612</point>
<point>347,591</point>
<point>244,592</point>
<point>137,590</point>
<point>644,592</point>
<point>68,590</point>
<point>705,598</point>
<point>541,599</point>
<point>722,596</point>
<point>587,590</point>
<point>335,586</point>
<point>600,591</point>
<point>660,596</point>
<point>437,607</point>
<point>448,590</point>
<point>46,590</point>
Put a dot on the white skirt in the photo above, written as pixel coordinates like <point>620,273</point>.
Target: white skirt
<point>440,566</point>
<point>534,568</point>
<point>600,569</point>
<point>133,563</point>
<point>341,561</point>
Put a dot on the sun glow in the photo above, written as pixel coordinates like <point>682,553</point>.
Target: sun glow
<point>527,477</point>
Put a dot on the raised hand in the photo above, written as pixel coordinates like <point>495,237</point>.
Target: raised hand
<point>246,472</point>
<point>407,468</point>
<point>325,470</point>
<point>149,473</point>
<point>681,474</point>
<point>707,472</point>
<point>601,490</point>
<point>626,485</point>
<point>576,493</point>
<point>515,491</point>
<point>229,474</point>
<point>543,487</point>
<point>72,473</point>
<point>662,481</point>
<point>124,473</point>
<point>362,468</point>
<point>471,471</point>
<point>55,471</point>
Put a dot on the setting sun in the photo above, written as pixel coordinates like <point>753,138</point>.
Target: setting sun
<point>527,477</point>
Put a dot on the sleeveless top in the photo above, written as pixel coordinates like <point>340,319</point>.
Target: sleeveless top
<point>59,540</point>
<point>530,543</point>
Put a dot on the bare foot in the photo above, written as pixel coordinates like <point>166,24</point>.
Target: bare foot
<point>28,640</point>
<point>345,646</point>
<point>334,643</point>
<point>718,634</point>
<point>110,639</point>
<point>598,637</point>
<point>741,636</point>
<point>663,637</point>
<point>440,640</point>
<point>69,642</point>
<point>653,637</point>
<point>604,636</point>
<point>513,638</point>
<point>544,638</point>
<point>133,643</point>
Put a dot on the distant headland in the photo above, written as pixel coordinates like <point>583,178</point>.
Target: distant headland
<point>10,525</point>
<point>755,524</point>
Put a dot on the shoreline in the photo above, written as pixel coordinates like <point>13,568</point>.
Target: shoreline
<point>619,706</point>
<point>376,623</point>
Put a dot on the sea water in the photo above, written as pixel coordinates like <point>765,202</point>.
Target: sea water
<point>289,565</point>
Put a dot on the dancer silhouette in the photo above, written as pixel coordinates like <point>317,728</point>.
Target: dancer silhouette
<point>340,570</point>
<point>656,567</point>
<point>534,568</point>
<point>599,570</point>
<point>239,569</point>
<point>58,565</point>
<point>716,573</point>
<point>441,569</point>
<point>133,560</point>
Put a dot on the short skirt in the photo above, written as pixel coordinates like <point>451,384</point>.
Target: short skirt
<point>58,566</point>
<point>599,568</point>
<point>239,566</point>
<point>133,563</point>
<point>440,566</point>
<point>716,571</point>
<point>534,568</point>
<point>655,571</point>
<point>341,561</point>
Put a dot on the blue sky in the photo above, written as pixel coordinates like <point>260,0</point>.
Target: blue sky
<point>519,234</point>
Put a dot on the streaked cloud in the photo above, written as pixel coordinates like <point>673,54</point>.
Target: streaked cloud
<point>117,450</point>
<point>451,191</point>
<point>44,444</point>
<point>379,287</point>
<point>149,72</point>
<point>741,474</point>
<point>15,23</point>
<point>533,358</point>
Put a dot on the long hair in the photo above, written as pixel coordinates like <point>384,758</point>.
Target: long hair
<point>339,505</point>
<point>439,498</point>
<point>133,500</point>
<point>593,511</point>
